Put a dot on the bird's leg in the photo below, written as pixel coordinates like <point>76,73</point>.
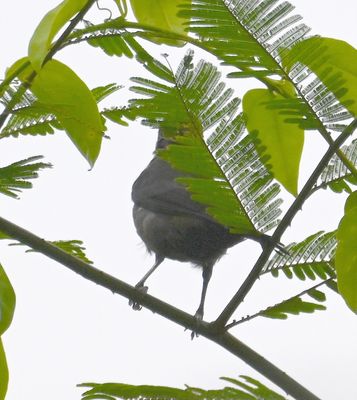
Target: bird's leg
<point>206,275</point>
<point>140,285</point>
<point>158,261</point>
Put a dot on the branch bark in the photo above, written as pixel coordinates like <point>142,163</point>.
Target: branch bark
<point>221,337</point>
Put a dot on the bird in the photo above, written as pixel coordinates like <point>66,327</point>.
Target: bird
<point>174,226</point>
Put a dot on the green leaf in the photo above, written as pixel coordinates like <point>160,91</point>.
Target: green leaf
<point>246,35</point>
<point>209,185</point>
<point>117,115</point>
<point>30,118</point>
<point>33,118</point>
<point>112,37</point>
<point>49,26</point>
<point>69,99</point>
<point>124,391</point>
<point>160,14</point>
<point>61,92</point>
<point>21,68</point>
<point>244,388</point>
<point>15,177</point>
<point>351,203</point>
<point>346,253</point>
<point>73,247</point>
<point>254,387</point>
<point>7,307</point>
<point>280,140</point>
<point>111,44</point>
<point>121,4</point>
<point>310,259</point>
<point>294,306</point>
<point>334,62</point>
<point>102,92</point>
<point>11,73</point>
<point>4,372</point>
<point>7,301</point>
<point>336,175</point>
<point>317,295</point>
<point>256,39</point>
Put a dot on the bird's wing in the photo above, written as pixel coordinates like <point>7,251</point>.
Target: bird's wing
<point>156,190</point>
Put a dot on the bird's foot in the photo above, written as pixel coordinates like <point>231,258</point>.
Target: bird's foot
<point>266,240</point>
<point>198,317</point>
<point>134,304</point>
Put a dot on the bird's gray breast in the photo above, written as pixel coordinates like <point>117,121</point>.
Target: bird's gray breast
<point>183,238</point>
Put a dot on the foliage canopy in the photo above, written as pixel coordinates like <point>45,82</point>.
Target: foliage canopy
<point>240,155</point>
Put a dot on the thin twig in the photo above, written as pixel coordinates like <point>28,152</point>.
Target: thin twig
<point>261,312</point>
<point>254,274</point>
<point>222,338</point>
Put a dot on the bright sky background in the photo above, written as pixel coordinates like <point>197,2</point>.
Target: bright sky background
<point>66,330</point>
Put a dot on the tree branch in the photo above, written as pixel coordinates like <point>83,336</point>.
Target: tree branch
<point>223,338</point>
<point>238,298</point>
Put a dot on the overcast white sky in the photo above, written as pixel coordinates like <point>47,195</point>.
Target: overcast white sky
<point>67,330</point>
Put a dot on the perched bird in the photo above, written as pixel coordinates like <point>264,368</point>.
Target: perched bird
<point>174,226</point>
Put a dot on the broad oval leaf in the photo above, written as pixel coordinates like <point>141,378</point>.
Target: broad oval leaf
<point>61,92</point>
<point>57,87</point>
<point>351,202</point>
<point>346,253</point>
<point>49,26</point>
<point>21,68</point>
<point>334,62</point>
<point>160,14</point>
<point>7,307</point>
<point>4,372</point>
<point>7,301</point>
<point>280,140</point>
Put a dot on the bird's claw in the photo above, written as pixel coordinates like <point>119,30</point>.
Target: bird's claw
<point>198,317</point>
<point>134,304</point>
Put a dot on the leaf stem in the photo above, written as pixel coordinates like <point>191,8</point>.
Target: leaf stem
<point>259,313</point>
<point>254,274</point>
<point>222,338</point>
